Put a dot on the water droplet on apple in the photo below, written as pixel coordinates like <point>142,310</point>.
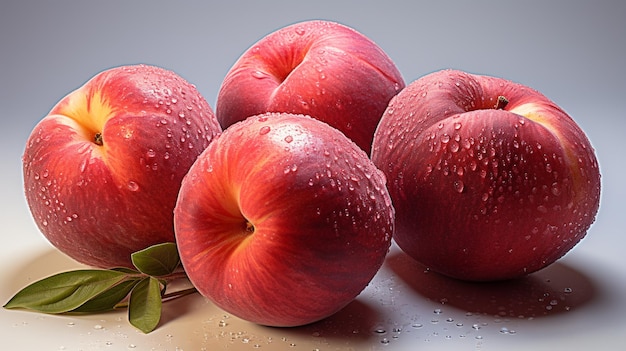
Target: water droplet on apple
<point>264,130</point>
<point>132,185</point>
<point>83,165</point>
<point>300,31</point>
<point>454,147</point>
<point>458,186</point>
<point>290,168</point>
<point>258,74</point>
<point>556,189</point>
<point>288,139</point>
<point>150,153</point>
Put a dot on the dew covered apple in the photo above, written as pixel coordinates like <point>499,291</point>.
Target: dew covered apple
<point>319,68</point>
<point>490,179</point>
<point>102,170</point>
<point>283,220</point>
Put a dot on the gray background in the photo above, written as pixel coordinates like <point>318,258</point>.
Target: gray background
<point>573,52</point>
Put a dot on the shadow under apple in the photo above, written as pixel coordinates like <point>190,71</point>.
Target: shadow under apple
<point>351,324</point>
<point>555,289</point>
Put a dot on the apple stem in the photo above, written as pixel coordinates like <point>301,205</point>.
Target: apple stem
<point>98,139</point>
<point>501,103</point>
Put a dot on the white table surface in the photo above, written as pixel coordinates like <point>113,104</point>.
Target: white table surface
<point>573,53</point>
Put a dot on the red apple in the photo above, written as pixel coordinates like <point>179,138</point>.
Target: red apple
<point>282,220</point>
<point>485,190</point>
<point>102,170</point>
<point>318,68</point>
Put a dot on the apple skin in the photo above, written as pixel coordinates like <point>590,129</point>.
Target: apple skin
<point>282,221</point>
<point>100,200</point>
<point>482,193</point>
<point>318,68</point>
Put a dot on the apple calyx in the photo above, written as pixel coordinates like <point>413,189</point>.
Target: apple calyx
<point>97,138</point>
<point>249,227</point>
<point>501,103</point>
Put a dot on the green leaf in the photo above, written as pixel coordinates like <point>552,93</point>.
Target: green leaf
<point>157,260</point>
<point>66,291</point>
<point>108,299</point>
<point>125,270</point>
<point>144,306</point>
<point>93,290</point>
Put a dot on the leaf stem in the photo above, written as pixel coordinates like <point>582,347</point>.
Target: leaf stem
<point>179,293</point>
<point>174,276</point>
